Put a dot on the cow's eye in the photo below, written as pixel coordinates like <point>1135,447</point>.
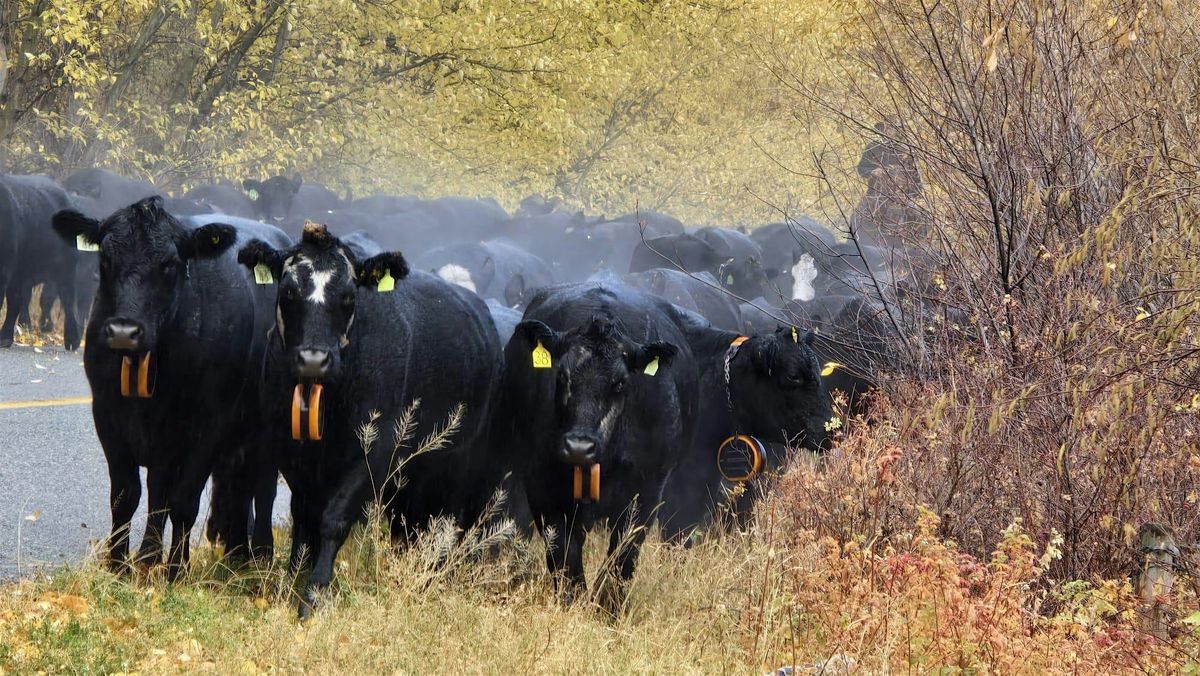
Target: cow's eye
<point>289,293</point>
<point>168,266</point>
<point>348,299</point>
<point>619,385</point>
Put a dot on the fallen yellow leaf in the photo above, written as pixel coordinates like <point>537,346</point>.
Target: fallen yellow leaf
<point>76,605</point>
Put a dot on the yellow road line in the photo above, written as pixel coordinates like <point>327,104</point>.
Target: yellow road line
<point>38,403</point>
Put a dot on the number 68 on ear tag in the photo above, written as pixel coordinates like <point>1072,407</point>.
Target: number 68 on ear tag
<point>541,356</point>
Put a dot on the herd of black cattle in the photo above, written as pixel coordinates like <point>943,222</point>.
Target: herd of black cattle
<point>601,363</point>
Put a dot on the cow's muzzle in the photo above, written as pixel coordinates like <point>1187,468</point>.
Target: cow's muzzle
<point>579,449</point>
<point>123,334</point>
<point>313,363</point>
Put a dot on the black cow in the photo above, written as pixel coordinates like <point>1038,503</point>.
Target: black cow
<point>855,333</point>
<point>245,482</point>
<point>699,292</point>
<point>35,254</point>
<point>768,386</point>
<point>685,250</point>
<point>108,190</point>
<point>376,339</point>
<point>813,264</point>
<point>656,222</point>
<point>281,200</point>
<point>758,316</point>
<point>495,269</point>
<point>383,205</point>
<point>741,269</point>
<point>464,219</point>
<point>597,377</point>
<point>222,198</point>
<point>171,341</point>
<point>87,277</point>
<point>505,318</point>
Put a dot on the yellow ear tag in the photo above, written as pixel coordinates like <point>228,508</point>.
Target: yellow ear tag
<point>253,195</point>
<point>386,282</point>
<point>262,274</point>
<point>795,336</point>
<point>830,367</point>
<point>652,367</point>
<point>541,357</point>
<point>83,244</point>
<point>729,279</point>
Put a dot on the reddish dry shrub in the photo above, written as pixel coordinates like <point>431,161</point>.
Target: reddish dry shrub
<point>1041,310</point>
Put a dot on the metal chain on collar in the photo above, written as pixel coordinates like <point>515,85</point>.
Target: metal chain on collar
<point>730,353</point>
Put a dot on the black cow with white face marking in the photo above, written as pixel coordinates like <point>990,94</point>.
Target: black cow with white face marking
<point>612,390</point>
<point>768,386</point>
<point>495,269</point>
<point>374,338</point>
<point>170,343</point>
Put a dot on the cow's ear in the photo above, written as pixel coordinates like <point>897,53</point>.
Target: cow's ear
<point>372,270</point>
<point>486,275</point>
<point>151,207</point>
<point>651,357</point>
<point>810,338</point>
<point>257,252</point>
<point>207,241</point>
<point>514,292</point>
<point>251,184</point>
<point>762,350</point>
<point>532,332</point>
<point>72,225</point>
<point>296,183</point>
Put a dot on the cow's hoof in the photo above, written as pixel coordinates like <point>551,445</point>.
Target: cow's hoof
<point>118,566</point>
<point>308,603</point>
<point>6,341</point>
<point>236,557</point>
<point>148,558</point>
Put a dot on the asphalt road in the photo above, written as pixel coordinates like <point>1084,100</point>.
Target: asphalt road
<point>53,480</point>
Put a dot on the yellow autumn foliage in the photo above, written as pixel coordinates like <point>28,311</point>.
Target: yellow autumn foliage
<point>610,105</point>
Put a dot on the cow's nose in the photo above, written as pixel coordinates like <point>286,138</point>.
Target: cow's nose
<point>579,450</point>
<point>313,363</point>
<point>122,335</point>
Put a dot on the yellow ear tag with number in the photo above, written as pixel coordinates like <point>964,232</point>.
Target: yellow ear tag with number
<point>82,244</point>
<point>262,274</point>
<point>830,367</point>
<point>541,356</point>
<point>795,336</point>
<point>386,282</point>
<point>651,368</point>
